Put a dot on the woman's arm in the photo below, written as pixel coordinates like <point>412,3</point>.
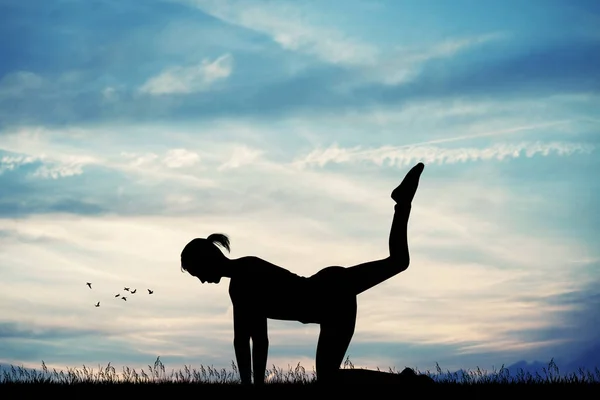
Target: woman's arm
<point>250,321</point>
<point>260,348</point>
<point>248,325</point>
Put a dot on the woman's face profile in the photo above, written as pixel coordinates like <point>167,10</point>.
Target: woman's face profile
<point>205,272</point>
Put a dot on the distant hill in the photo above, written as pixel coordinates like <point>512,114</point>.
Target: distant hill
<point>588,360</point>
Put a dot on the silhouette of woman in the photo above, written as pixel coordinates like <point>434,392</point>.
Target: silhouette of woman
<point>260,290</point>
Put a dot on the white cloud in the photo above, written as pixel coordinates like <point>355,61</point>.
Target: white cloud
<point>403,64</point>
<point>453,46</point>
<point>196,78</point>
<point>138,160</point>
<point>288,26</point>
<point>9,163</point>
<point>406,155</point>
<point>59,171</point>
<point>51,168</point>
<point>67,166</point>
<point>179,158</point>
<point>172,158</point>
<point>151,167</point>
<point>242,155</point>
<point>64,155</point>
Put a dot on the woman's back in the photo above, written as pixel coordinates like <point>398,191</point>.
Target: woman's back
<point>270,291</point>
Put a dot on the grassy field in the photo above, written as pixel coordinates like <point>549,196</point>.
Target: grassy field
<point>156,381</point>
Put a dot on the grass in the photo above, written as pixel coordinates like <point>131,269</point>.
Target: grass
<point>156,377</point>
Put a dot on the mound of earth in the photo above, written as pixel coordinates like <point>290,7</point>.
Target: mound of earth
<point>370,377</point>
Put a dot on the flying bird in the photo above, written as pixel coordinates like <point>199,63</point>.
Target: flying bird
<point>126,289</point>
<point>117,295</point>
<point>124,298</point>
<point>97,304</point>
<point>150,291</point>
<point>89,284</point>
<point>133,291</point>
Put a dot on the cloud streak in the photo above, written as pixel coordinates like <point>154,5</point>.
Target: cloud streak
<point>49,168</point>
<point>406,155</point>
<point>289,26</point>
<point>402,65</point>
<point>192,79</point>
<point>9,163</point>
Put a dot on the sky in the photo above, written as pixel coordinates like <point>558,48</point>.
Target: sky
<point>130,127</point>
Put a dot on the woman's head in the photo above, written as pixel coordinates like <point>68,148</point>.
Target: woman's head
<point>203,259</point>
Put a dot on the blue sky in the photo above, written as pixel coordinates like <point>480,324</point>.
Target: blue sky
<point>129,127</point>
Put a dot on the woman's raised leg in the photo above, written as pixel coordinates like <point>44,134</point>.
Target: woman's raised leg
<point>364,276</point>
<point>339,286</point>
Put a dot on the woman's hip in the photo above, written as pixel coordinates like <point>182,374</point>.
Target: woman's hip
<point>329,289</point>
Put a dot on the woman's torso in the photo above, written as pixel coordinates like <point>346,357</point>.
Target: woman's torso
<point>273,292</point>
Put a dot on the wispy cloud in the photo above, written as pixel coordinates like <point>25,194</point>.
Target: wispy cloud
<point>178,158</point>
<point>17,83</point>
<point>172,158</point>
<point>71,166</point>
<point>50,168</point>
<point>138,160</point>
<point>242,155</point>
<point>401,65</point>
<point>290,27</point>
<point>406,155</point>
<point>30,145</point>
<point>9,163</point>
<point>196,78</point>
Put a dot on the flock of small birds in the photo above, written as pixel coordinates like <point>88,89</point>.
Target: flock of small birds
<point>89,284</point>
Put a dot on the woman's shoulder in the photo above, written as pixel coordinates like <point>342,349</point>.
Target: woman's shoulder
<point>251,271</point>
<point>252,260</point>
<point>244,281</point>
<point>246,270</point>
<point>254,265</point>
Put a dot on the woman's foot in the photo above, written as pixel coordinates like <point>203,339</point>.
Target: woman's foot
<point>405,192</point>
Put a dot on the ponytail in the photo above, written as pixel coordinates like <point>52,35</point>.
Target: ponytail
<point>219,239</point>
